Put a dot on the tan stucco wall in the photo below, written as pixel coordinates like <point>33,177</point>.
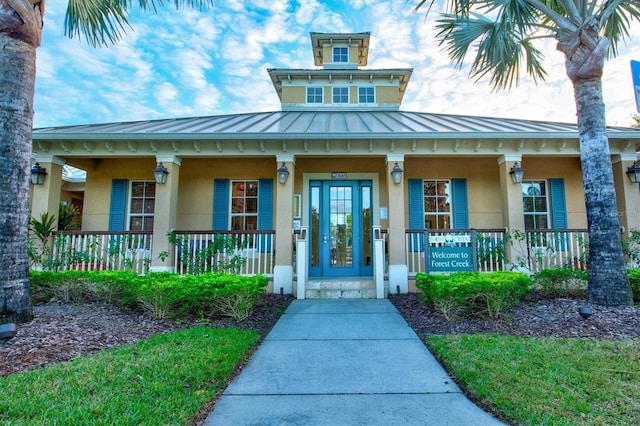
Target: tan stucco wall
<point>483,185</point>
<point>195,199</point>
<point>294,95</point>
<point>197,175</point>
<point>387,95</point>
<point>569,169</point>
<point>98,187</point>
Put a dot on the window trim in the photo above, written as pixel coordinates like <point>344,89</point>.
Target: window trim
<point>244,215</point>
<point>143,215</point>
<point>367,95</point>
<point>315,95</point>
<point>333,95</point>
<point>340,55</point>
<point>438,214</point>
<point>535,213</point>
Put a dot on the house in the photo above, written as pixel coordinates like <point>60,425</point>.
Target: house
<point>336,189</point>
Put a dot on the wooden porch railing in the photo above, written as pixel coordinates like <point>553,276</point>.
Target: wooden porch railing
<point>253,252</point>
<point>101,251</point>
<point>497,250</point>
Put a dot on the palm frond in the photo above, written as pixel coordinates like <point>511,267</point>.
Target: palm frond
<point>105,21</point>
<point>503,45</point>
<point>616,22</point>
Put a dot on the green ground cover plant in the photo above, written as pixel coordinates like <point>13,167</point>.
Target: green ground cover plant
<point>163,295</point>
<point>547,381</point>
<point>472,293</point>
<point>562,282</point>
<point>164,380</point>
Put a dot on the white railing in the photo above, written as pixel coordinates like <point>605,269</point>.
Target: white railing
<point>551,248</point>
<point>240,252</point>
<point>529,251</point>
<point>101,251</point>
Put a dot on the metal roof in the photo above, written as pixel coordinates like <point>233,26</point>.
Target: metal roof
<point>327,124</point>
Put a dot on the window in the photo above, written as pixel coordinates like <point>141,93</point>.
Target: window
<point>340,54</point>
<point>314,95</point>
<point>142,205</point>
<point>340,95</point>
<point>366,95</point>
<point>536,204</point>
<point>244,205</point>
<point>437,204</point>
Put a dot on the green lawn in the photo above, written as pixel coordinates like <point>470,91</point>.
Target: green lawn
<point>162,381</point>
<point>547,381</point>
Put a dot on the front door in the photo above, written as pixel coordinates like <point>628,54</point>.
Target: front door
<point>340,228</point>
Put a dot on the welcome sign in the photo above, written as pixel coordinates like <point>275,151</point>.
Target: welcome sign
<point>635,74</point>
<point>450,259</point>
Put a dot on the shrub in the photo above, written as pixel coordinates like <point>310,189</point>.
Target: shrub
<point>472,293</point>
<point>634,280</point>
<point>561,282</point>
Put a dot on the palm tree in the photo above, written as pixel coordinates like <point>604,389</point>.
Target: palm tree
<point>503,35</point>
<point>101,22</point>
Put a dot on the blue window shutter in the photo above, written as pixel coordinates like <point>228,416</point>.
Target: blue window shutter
<point>118,205</point>
<point>265,211</point>
<point>559,211</point>
<point>220,205</point>
<point>460,203</point>
<point>558,204</point>
<point>416,213</point>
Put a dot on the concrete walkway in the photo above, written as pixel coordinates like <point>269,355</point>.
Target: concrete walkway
<point>344,362</point>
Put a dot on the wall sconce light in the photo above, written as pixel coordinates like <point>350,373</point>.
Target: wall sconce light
<point>396,174</point>
<point>517,173</point>
<point>37,174</point>
<point>633,172</point>
<point>283,174</point>
<point>160,173</point>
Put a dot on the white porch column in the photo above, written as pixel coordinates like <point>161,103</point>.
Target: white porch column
<point>165,214</point>
<point>627,193</point>
<point>283,269</point>
<point>398,269</point>
<point>46,197</point>
<point>512,207</point>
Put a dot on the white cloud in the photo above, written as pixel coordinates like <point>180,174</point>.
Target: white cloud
<point>214,61</point>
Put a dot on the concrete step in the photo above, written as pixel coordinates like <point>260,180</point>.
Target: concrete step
<point>341,288</point>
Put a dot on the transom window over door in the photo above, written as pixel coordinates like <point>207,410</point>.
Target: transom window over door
<point>244,205</point>
<point>142,205</point>
<point>437,204</point>
<point>536,204</point>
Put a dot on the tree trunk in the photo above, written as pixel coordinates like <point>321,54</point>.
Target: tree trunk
<point>17,81</point>
<point>608,281</point>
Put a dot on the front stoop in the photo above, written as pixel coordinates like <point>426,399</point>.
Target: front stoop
<point>341,288</point>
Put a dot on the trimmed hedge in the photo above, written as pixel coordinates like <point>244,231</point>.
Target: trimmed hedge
<point>471,293</point>
<point>163,295</point>
<point>634,280</point>
<point>561,282</point>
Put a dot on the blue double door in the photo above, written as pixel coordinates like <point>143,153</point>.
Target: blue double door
<point>340,228</point>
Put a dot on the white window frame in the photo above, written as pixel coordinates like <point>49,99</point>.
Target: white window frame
<point>448,215</point>
<point>547,203</point>
<point>333,94</point>
<point>366,95</point>
<point>243,214</point>
<point>315,95</point>
<point>335,55</point>
<point>130,197</point>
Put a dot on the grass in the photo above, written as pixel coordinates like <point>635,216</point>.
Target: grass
<point>547,381</point>
<point>161,381</point>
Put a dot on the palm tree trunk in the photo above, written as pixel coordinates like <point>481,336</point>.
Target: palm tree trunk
<point>608,282</point>
<point>17,81</point>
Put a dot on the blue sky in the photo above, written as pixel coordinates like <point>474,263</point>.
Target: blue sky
<point>196,63</point>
